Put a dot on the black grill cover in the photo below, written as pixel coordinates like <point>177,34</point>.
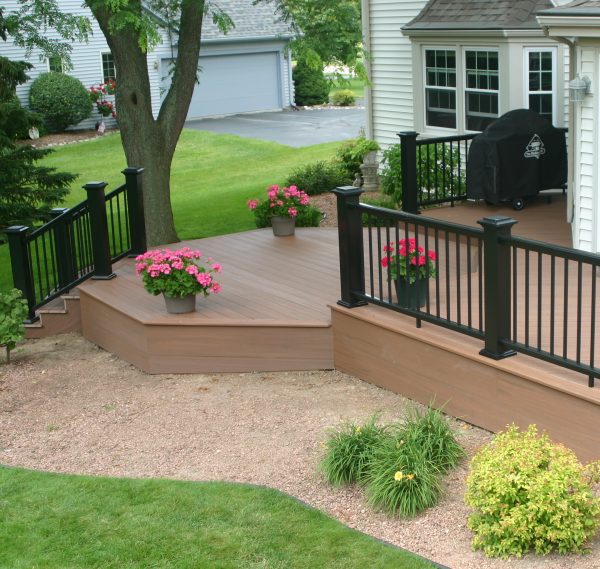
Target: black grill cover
<point>516,156</point>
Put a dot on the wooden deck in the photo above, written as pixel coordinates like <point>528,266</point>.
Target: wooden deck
<point>272,314</point>
<point>278,311</point>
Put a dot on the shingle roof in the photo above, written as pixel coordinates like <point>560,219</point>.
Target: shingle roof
<point>250,21</point>
<point>576,8</point>
<point>478,14</point>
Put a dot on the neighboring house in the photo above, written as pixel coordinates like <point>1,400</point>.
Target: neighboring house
<point>578,25</point>
<point>447,67</point>
<point>246,70</point>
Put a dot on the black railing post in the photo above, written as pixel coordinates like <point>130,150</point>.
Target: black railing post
<point>408,165</point>
<point>497,285</point>
<point>135,210</point>
<point>350,234</point>
<point>99,229</point>
<point>21,266</point>
<point>64,249</point>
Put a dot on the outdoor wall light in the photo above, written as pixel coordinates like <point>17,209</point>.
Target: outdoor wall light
<point>579,88</point>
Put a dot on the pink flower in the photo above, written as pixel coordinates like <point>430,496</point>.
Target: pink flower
<point>216,288</point>
<point>178,264</point>
<point>204,279</point>
<point>385,262</point>
<point>432,256</point>
<point>293,211</point>
<point>191,270</point>
<point>216,267</point>
<point>252,204</point>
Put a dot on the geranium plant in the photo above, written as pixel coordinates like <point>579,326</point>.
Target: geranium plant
<point>98,95</point>
<point>177,273</point>
<point>408,261</point>
<point>283,202</point>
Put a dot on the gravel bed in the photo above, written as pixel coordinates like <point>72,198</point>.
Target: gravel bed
<point>68,406</point>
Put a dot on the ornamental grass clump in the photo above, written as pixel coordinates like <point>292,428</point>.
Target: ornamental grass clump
<point>399,464</point>
<point>530,494</point>
<point>429,432</point>
<point>402,480</point>
<point>177,274</point>
<point>349,450</point>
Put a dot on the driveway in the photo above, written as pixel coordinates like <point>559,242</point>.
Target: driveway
<point>297,128</point>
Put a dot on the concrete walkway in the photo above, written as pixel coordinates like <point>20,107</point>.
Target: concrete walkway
<point>303,127</point>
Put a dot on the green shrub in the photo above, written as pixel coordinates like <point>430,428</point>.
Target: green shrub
<point>318,177</point>
<point>401,480</point>
<point>351,154</point>
<point>349,451</point>
<point>60,99</point>
<point>15,121</point>
<point>530,494</point>
<point>307,217</point>
<point>378,201</point>
<point>434,170</point>
<point>13,311</point>
<point>310,85</point>
<point>343,98</point>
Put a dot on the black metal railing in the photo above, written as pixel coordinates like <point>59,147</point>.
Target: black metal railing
<point>433,170</point>
<point>554,304</point>
<point>517,295</point>
<point>79,242</point>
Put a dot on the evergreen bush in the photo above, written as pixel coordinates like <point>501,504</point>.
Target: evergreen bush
<point>310,85</point>
<point>60,99</point>
<point>13,311</point>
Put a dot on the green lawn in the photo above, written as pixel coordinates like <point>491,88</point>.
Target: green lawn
<point>356,85</point>
<point>213,176</point>
<point>69,522</point>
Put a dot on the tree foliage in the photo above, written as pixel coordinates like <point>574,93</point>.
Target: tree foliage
<point>27,191</point>
<point>328,31</point>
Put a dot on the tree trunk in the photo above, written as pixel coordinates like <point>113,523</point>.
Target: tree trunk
<point>148,142</point>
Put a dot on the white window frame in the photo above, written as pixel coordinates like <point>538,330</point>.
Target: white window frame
<point>102,54</point>
<point>526,92</point>
<point>466,89</point>
<point>62,64</point>
<point>456,89</point>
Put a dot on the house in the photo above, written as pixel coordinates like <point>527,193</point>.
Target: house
<point>246,70</point>
<point>577,25</point>
<point>444,67</point>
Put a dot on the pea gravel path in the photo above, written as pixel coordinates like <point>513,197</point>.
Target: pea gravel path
<point>68,406</point>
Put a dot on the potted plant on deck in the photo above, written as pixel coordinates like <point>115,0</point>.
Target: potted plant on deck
<point>409,266</point>
<point>179,276</point>
<point>282,206</point>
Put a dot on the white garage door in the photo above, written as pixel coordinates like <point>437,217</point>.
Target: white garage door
<point>235,84</point>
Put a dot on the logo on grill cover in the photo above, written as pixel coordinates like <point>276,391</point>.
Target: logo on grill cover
<point>535,148</point>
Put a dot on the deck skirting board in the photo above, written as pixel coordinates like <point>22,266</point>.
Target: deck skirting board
<point>385,349</point>
<point>157,348</point>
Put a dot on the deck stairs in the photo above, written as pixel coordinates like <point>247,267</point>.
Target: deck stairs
<point>61,315</point>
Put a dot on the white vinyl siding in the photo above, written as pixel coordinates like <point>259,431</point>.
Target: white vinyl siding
<point>391,66</point>
<point>585,232</point>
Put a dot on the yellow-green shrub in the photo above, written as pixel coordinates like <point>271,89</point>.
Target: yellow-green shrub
<point>530,494</point>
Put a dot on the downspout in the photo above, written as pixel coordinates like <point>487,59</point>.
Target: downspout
<point>570,126</point>
<point>366,32</point>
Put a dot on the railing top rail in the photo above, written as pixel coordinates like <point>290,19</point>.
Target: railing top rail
<point>550,249</point>
<point>421,220</point>
<point>116,191</point>
<point>440,139</point>
<point>68,214</point>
